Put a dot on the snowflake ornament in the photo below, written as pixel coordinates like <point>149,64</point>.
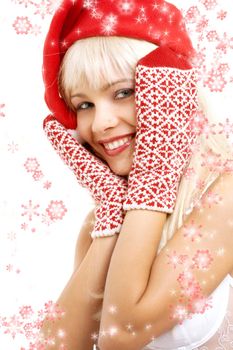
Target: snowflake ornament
<point>109,24</point>
<point>192,231</point>
<point>22,25</point>
<point>53,311</point>
<point>126,7</point>
<point>209,4</point>
<point>31,165</point>
<point>202,259</point>
<point>30,210</point>
<point>56,210</point>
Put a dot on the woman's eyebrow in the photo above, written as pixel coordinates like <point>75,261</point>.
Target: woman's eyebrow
<point>108,85</point>
<point>104,87</point>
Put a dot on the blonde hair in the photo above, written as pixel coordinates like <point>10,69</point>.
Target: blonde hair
<point>90,61</point>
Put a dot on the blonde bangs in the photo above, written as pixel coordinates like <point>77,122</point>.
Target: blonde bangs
<point>97,61</point>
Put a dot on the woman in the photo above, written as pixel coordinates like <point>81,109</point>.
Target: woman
<point>155,248</point>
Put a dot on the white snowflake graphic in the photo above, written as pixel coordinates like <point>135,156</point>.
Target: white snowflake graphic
<point>142,17</point>
<point>126,7</point>
<point>89,4</point>
<point>109,24</point>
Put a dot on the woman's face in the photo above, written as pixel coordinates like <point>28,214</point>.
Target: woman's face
<point>107,122</point>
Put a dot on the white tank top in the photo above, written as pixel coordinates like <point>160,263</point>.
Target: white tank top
<point>200,328</point>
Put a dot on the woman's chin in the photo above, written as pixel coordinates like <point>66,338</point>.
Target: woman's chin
<point>121,168</point>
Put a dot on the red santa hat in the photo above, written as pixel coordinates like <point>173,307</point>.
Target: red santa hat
<point>156,21</point>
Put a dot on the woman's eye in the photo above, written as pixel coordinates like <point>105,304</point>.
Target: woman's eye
<point>124,93</point>
<point>84,105</point>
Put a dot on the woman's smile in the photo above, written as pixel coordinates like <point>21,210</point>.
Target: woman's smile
<point>118,145</point>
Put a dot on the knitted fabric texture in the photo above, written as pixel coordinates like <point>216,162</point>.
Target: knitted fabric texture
<point>166,102</point>
<point>157,21</point>
<point>107,189</point>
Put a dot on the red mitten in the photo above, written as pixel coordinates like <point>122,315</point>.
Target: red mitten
<point>166,101</point>
<point>107,189</point>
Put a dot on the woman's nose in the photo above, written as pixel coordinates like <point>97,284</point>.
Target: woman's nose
<point>104,118</point>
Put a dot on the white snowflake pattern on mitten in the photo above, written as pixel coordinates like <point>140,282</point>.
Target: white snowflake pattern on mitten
<point>166,101</point>
<point>107,189</point>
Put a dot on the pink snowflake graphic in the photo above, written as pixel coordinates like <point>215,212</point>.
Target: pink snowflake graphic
<point>211,198</point>
<point>56,210</point>
<point>31,165</point>
<point>46,219</point>
<point>211,160</point>
<point>192,14</point>
<point>189,172</point>
<point>202,24</point>
<point>225,43</point>
<point>28,330</point>
<point>47,185</point>
<point>53,311</point>
<point>22,25</point>
<point>202,259</point>
<point>192,290</point>
<point>209,4</point>
<point>13,326</point>
<point>26,311</point>
<point>222,15</point>
<point>226,128</point>
<point>37,175</point>
<point>13,147</point>
<point>185,278</point>
<point>228,166</point>
<point>43,8</point>
<point>24,226</point>
<point>212,35</point>
<point>175,259</point>
<point>200,57</point>
<point>192,231</point>
<point>35,30</point>
<point>9,267</point>
<point>30,210</point>
<point>2,105</point>
<point>26,3</point>
<point>200,124</point>
<point>215,80</point>
<point>200,305</point>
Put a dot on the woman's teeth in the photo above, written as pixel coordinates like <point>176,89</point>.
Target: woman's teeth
<point>118,143</point>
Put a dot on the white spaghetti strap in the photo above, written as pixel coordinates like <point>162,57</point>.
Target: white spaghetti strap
<point>231,280</point>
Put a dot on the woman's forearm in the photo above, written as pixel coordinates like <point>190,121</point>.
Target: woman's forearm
<point>77,302</point>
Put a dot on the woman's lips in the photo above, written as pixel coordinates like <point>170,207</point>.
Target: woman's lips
<point>119,149</point>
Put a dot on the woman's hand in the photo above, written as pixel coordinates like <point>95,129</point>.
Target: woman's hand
<point>107,189</point>
<point>166,100</point>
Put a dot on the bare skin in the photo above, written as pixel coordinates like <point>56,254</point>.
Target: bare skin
<point>92,259</point>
